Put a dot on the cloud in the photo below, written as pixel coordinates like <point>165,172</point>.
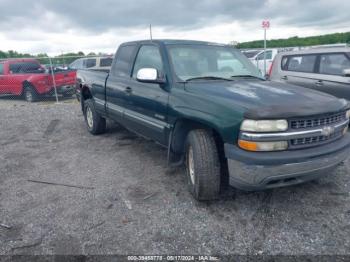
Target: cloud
<point>182,14</point>
<point>105,23</point>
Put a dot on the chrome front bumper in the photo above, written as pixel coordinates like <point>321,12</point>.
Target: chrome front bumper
<point>263,170</point>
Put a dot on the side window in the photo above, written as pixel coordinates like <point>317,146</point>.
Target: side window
<point>148,56</point>
<point>333,64</point>
<point>1,69</point>
<point>106,61</point>
<point>268,56</point>
<point>88,63</point>
<point>77,64</point>
<point>302,63</point>
<point>284,62</point>
<point>73,65</point>
<point>123,61</point>
<point>15,68</point>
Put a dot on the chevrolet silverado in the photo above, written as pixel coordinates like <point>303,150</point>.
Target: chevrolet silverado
<point>210,107</point>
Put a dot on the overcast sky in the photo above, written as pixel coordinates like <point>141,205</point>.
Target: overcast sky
<point>45,26</point>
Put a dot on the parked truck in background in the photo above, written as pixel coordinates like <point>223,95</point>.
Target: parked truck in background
<point>211,108</point>
<point>100,63</point>
<point>28,78</point>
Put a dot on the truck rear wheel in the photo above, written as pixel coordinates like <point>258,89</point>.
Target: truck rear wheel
<point>202,165</point>
<point>30,94</point>
<point>96,124</point>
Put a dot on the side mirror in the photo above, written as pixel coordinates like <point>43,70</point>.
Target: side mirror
<point>346,72</point>
<point>150,75</point>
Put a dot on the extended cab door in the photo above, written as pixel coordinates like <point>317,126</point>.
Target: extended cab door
<point>331,77</point>
<point>147,103</point>
<point>119,81</point>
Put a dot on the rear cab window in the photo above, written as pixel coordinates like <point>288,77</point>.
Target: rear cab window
<point>1,68</point>
<point>90,62</point>
<point>299,63</point>
<point>333,64</point>
<point>106,61</point>
<point>123,60</point>
<point>268,55</point>
<point>250,54</point>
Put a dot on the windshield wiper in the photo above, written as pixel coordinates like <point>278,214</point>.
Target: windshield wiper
<point>208,78</point>
<point>247,76</point>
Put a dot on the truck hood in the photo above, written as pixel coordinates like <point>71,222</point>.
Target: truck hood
<point>266,99</point>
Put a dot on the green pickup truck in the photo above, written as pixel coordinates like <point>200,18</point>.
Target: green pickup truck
<point>209,105</point>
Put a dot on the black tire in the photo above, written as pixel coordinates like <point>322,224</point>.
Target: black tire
<point>29,94</point>
<point>95,123</point>
<point>205,178</point>
<point>78,97</point>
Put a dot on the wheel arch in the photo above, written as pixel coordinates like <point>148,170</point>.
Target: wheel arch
<point>25,84</point>
<point>85,94</point>
<point>183,126</point>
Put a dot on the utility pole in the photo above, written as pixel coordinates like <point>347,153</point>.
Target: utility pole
<point>265,25</point>
<point>264,51</point>
<point>150,31</point>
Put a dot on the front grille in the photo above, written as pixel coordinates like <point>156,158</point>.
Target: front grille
<point>317,121</point>
<point>305,141</point>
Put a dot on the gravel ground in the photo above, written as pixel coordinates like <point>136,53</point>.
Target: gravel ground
<point>130,202</point>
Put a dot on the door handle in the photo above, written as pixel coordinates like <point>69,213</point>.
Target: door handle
<point>284,78</point>
<point>319,83</point>
<point>128,90</point>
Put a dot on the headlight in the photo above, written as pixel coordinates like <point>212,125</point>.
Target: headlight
<point>264,125</point>
<point>348,114</point>
<point>263,146</point>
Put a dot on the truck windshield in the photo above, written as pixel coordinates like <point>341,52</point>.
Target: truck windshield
<point>203,61</point>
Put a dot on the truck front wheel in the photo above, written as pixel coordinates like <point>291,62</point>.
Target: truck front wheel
<point>96,124</point>
<point>202,165</point>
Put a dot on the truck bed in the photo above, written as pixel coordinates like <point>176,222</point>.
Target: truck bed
<point>95,78</point>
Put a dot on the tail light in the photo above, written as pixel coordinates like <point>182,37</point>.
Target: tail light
<point>270,69</point>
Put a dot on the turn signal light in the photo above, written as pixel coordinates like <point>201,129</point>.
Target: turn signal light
<point>263,146</point>
<point>247,145</point>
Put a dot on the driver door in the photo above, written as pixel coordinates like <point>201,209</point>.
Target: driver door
<point>331,78</point>
<point>147,103</point>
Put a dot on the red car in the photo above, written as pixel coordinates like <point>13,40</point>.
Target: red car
<point>28,78</point>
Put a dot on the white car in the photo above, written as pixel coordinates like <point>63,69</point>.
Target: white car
<point>257,58</point>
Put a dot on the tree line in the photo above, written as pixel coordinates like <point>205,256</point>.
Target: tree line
<point>299,41</point>
<point>68,58</point>
<point>63,59</point>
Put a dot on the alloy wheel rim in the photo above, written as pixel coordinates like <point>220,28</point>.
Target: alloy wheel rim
<point>191,164</point>
<point>29,96</point>
<point>89,117</point>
